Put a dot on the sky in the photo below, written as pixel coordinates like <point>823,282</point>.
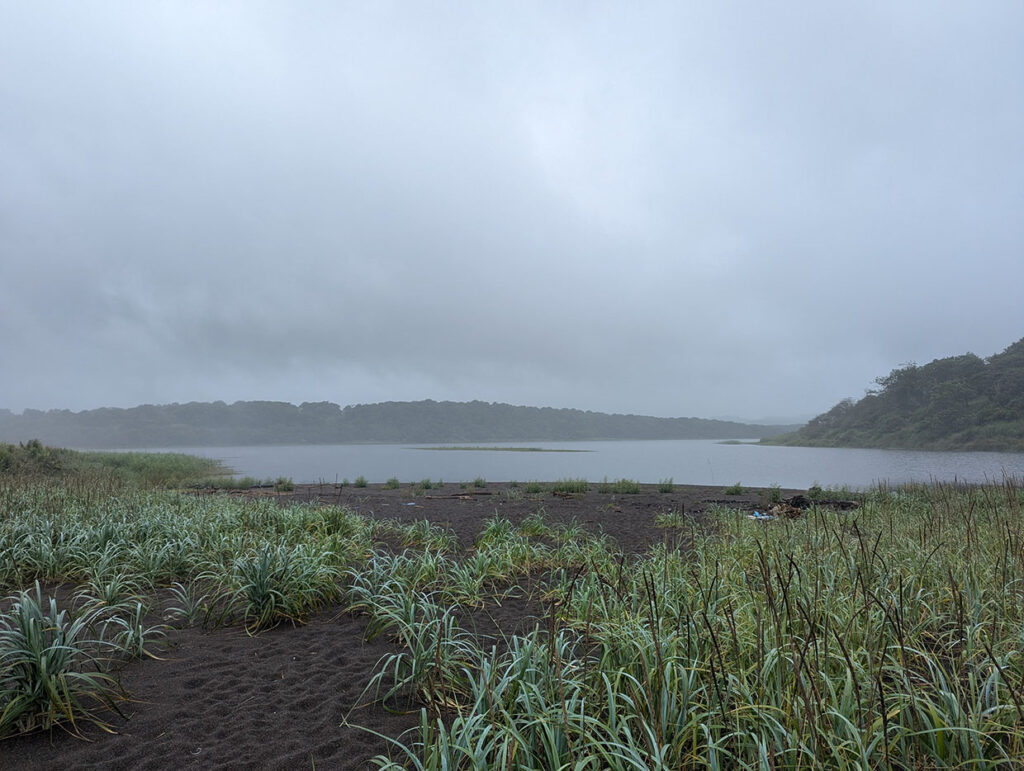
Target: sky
<point>675,209</point>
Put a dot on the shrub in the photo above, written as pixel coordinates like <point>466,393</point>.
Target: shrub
<point>360,482</point>
<point>392,484</point>
<point>666,486</point>
<point>479,482</point>
<point>736,489</point>
<point>284,485</point>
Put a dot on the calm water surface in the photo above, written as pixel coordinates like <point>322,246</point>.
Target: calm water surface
<point>695,461</point>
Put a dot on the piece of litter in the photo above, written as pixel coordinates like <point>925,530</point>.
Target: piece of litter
<point>760,517</point>
<point>411,504</point>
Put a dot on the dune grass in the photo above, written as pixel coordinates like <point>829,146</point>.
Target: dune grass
<point>888,636</point>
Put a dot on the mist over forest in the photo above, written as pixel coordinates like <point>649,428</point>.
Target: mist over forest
<point>268,422</point>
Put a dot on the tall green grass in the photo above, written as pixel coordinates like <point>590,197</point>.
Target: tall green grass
<point>219,559</point>
<point>51,666</point>
<point>886,637</point>
<point>33,460</point>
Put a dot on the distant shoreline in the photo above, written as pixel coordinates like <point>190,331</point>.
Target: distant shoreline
<point>479,448</point>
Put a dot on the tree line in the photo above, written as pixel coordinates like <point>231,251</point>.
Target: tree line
<point>957,403</point>
<point>198,424</point>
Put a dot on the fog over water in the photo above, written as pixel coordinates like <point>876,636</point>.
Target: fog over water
<point>672,209</point>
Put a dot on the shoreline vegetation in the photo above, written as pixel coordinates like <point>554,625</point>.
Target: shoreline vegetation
<point>34,460</point>
<point>960,403</point>
<point>415,628</point>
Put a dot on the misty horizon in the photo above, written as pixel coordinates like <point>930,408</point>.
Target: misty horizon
<point>770,420</point>
<point>673,210</point>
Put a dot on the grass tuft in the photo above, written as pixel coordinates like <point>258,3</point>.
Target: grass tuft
<point>571,486</point>
<point>619,486</point>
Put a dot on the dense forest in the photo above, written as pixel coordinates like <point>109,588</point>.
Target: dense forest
<point>957,403</point>
<point>198,424</point>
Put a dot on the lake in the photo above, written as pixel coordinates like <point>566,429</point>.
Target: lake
<point>696,461</point>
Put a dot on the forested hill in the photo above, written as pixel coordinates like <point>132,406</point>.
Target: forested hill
<point>247,423</point>
<point>958,403</point>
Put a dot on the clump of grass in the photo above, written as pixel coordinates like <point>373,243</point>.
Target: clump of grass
<point>426,484</point>
<point>190,602</point>
<point>360,481</point>
<point>773,495</point>
<point>619,486</point>
<point>512,493</point>
<point>50,672</point>
<point>736,489</point>
<point>535,525</point>
<point>571,486</point>
<point>533,488</point>
<point>282,584</point>
<point>666,486</point>
<point>392,484</point>
<point>479,482</point>
<point>671,519</point>
<point>425,534</point>
<point>284,484</point>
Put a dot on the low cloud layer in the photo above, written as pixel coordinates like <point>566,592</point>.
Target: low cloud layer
<point>672,211</point>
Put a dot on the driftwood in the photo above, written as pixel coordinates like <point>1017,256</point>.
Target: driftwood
<point>803,502</point>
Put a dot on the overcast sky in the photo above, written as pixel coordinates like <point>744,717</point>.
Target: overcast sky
<point>680,208</point>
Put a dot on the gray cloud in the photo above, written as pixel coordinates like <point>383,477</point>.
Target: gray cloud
<point>675,210</point>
